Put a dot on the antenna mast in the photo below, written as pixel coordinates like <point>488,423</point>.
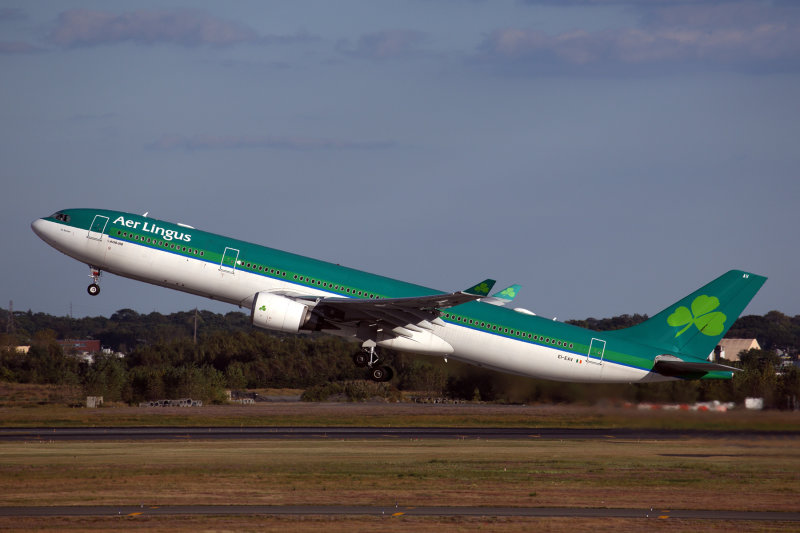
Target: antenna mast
<point>10,329</point>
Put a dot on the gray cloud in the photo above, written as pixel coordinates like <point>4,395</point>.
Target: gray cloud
<point>9,47</point>
<point>233,142</point>
<point>182,27</point>
<point>630,3</point>
<point>386,44</point>
<point>11,13</point>
<point>89,117</point>
<point>745,35</point>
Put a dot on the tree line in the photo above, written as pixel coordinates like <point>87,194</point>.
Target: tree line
<point>163,361</point>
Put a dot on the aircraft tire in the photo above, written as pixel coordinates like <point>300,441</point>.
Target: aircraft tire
<point>381,374</point>
<point>93,289</point>
<point>361,359</point>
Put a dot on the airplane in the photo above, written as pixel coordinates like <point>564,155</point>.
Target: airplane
<point>292,293</point>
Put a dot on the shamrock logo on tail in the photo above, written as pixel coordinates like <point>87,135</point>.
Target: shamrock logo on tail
<point>509,293</point>
<point>483,288</point>
<point>702,315</point>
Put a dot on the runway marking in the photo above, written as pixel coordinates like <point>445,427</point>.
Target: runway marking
<point>453,511</point>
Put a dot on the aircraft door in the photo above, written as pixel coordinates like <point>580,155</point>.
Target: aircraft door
<point>597,349</point>
<point>98,227</point>
<point>229,258</point>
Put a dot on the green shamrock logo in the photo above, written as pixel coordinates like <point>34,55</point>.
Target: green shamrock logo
<point>509,293</point>
<point>702,315</point>
<point>483,288</point>
<point>262,308</point>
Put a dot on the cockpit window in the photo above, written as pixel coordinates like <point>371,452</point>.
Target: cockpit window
<point>63,217</point>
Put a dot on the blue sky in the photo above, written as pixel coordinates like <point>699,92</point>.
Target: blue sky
<point>609,155</point>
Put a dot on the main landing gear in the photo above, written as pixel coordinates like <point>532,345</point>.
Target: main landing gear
<point>94,288</point>
<point>368,357</point>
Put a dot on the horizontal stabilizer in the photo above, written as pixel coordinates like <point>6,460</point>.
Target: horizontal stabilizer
<point>672,366</point>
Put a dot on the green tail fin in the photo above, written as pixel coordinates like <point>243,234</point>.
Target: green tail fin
<point>694,325</point>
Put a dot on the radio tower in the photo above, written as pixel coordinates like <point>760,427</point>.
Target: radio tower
<point>10,321</point>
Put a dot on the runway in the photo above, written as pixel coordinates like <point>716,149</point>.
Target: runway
<point>362,433</point>
<point>364,510</point>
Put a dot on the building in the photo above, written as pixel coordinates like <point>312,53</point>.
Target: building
<point>83,349</point>
<point>80,345</point>
<point>729,349</point>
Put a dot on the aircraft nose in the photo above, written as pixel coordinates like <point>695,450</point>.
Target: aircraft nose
<point>38,227</point>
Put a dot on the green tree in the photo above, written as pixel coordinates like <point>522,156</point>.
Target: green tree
<point>107,377</point>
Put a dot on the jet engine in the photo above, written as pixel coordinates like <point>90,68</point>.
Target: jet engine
<point>271,311</point>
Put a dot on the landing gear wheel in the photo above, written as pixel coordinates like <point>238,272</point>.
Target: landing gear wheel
<point>381,374</point>
<point>361,359</point>
<point>94,288</point>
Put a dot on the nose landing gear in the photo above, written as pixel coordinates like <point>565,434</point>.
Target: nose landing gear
<point>94,288</point>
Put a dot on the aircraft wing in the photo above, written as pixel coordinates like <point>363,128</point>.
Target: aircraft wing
<point>397,311</point>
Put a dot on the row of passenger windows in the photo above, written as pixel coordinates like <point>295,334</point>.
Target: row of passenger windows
<point>262,268</point>
<point>311,281</point>
<point>165,244</point>
<point>514,332</point>
<point>335,287</point>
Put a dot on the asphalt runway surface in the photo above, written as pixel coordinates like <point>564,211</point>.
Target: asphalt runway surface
<point>361,433</point>
<point>363,510</point>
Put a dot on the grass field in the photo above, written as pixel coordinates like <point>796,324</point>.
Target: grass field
<point>744,473</point>
<point>397,415</point>
<point>693,474</point>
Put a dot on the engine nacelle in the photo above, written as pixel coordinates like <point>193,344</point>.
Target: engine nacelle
<point>272,311</point>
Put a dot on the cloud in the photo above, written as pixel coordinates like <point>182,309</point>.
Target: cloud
<point>9,47</point>
<point>628,3</point>
<point>207,143</point>
<point>89,117</point>
<point>183,27</point>
<point>386,44</point>
<point>11,13</point>
<point>738,35</point>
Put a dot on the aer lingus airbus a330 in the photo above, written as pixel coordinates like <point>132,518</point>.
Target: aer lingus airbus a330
<point>292,293</point>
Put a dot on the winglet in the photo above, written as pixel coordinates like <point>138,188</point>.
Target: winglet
<point>481,289</point>
<point>503,297</point>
